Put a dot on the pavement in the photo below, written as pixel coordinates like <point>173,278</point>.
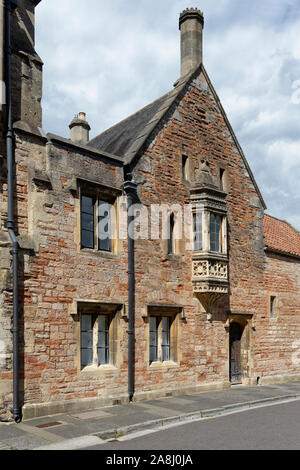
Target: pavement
<point>72,431</point>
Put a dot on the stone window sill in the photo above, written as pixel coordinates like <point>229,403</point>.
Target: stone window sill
<point>100,254</point>
<point>98,370</point>
<point>163,365</point>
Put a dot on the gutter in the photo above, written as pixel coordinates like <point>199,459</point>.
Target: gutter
<point>282,253</point>
<point>10,223</point>
<point>130,188</point>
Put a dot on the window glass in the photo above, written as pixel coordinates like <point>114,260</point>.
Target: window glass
<point>198,231</point>
<point>104,226</point>
<point>86,340</point>
<point>165,346</point>
<point>103,339</point>
<point>215,232</point>
<point>153,340</point>
<point>87,222</point>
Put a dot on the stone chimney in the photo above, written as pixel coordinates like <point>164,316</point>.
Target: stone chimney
<point>80,129</point>
<point>191,24</point>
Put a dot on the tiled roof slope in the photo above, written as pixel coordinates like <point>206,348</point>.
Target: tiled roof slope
<point>127,137</point>
<point>119,138</point>
<point>281,236</point>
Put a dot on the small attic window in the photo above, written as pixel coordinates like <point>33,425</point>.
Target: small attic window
<point>222,179</point>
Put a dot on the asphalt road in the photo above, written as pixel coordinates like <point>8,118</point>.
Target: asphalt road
<point>275,427</point>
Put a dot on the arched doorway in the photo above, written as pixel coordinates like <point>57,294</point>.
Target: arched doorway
<point>235,365</point>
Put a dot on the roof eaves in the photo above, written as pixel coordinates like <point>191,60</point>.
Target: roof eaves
<point>281,252</point>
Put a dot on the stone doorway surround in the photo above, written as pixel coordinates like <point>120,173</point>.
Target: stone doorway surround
<point>244,320</point>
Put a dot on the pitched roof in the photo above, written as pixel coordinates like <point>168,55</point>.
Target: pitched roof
<point>281,236</point>
<point>128,137</point>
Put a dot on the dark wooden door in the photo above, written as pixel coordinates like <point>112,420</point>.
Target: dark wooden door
<point>235,335</point>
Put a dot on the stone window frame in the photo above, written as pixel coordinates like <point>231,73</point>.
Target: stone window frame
<point>176,315</point>
<point>115,311</point>
<point>107,194</point>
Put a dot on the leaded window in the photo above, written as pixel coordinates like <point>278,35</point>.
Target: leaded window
<point>104,226</point>
<point>215,233</point>
<point>96,223</point>
<point>160,338</point>
<point>87,222</point>
<point>197,222</point>
<point>95,344</point>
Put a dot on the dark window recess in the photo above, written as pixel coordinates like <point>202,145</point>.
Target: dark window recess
<point>215,233</point>
<point>104,226</point>
<point>87,222</point>
<point>86,340</point>
<point>153,323</point>
<point>272,307</point>
<point>171,224</point>
<point>198,231</point>
<point>222,176</point>
<point>103,340</point>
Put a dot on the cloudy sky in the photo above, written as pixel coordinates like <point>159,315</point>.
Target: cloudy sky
<point>110,58</point>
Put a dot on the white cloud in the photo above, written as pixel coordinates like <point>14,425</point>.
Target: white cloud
<point>111,58</point>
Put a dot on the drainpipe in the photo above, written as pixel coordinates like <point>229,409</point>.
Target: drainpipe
<point>10,223</point>
<point>130,189</point>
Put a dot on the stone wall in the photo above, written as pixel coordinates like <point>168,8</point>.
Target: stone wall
<point>277,348</point>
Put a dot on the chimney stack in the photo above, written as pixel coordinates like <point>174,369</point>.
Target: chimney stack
<point>80,129</point>
<point>191,24</point>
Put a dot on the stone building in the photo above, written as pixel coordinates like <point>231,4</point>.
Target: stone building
<point>105,320</point>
